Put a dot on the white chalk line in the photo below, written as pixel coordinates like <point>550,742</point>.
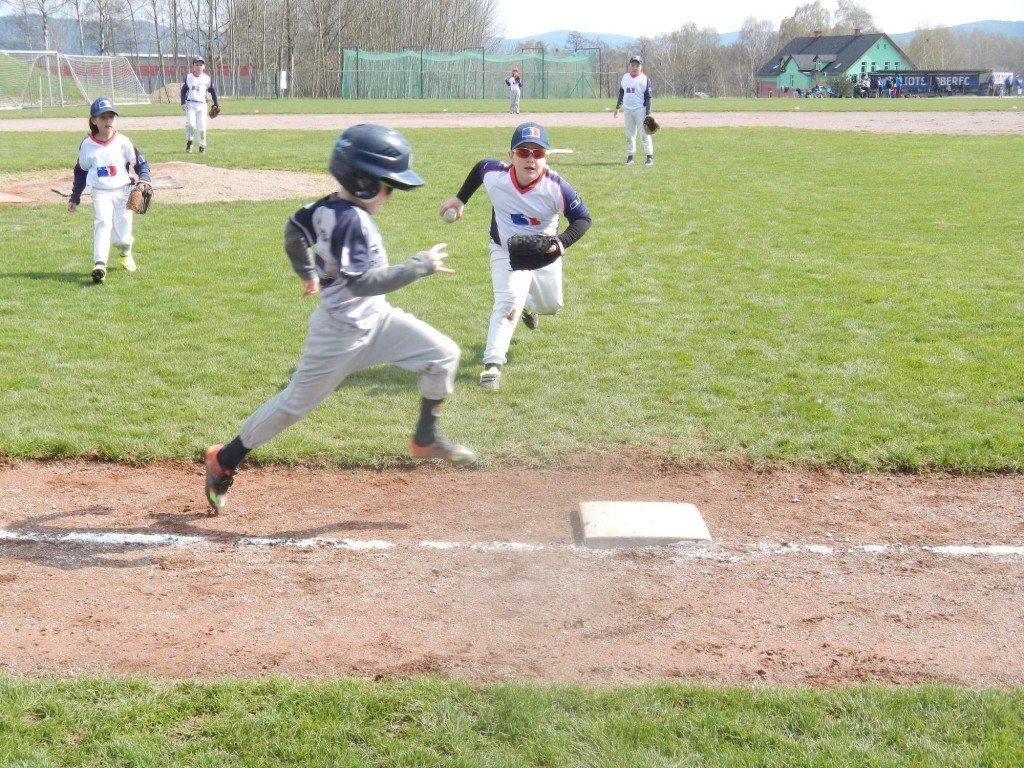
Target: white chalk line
<point>119,539</point>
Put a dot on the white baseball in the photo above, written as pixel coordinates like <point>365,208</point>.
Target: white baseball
<point>450,215</point>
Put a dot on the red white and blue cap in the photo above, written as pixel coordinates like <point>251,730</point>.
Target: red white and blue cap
<point>101,106</point>
<point>530,133</point>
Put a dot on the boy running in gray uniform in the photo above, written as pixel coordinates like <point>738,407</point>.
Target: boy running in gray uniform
<point>335,248</point>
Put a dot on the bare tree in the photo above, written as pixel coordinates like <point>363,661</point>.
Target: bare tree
<point>850,16</point>
<point>758,41</point>
<point>934,48</point>
<point>992,51</point>
<point>45,9</point>
<point>805,21</point>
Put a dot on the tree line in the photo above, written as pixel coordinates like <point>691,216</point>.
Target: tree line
<point>307,38</point>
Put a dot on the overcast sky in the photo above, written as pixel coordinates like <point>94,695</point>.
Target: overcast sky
<point>523,18</point>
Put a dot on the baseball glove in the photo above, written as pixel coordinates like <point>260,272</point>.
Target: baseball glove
<point>651,125</point>
<point>214,110</point>
<point>531,251</point>
<point>140,198</point>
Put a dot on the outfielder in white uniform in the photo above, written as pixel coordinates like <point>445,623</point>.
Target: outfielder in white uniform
<point>105,158</point>
<point>515,87</point>
<point>527,198</point>
<point>336,250</point>
<point>193,102</point>
<point>635,102</point>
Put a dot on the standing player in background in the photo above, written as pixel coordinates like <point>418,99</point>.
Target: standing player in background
<point>526,199</point>
<point>635,101</point>
<point>515,87</point>
<point>334,246</point>
<point>104,159</point>
<point>193,103</point>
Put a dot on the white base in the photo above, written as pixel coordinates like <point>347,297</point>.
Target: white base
<point>608,524</point>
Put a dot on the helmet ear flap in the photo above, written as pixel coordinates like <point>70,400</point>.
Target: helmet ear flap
<point>364,188</point>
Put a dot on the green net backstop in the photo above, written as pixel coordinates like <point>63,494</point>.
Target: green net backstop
<point>416,74</point>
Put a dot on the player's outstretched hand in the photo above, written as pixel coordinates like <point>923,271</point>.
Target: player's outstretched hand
<point>72,206</point>
<point>310,287</point>
<point>437,256</point>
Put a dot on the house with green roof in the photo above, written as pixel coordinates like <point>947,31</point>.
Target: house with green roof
<point>806,62</point>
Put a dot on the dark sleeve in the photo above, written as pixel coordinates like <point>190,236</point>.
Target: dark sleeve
<point>213,93</point>
<point>577,228</point>
<point>648,95</point>
<point>622,93</point>
<point>472,182</point>
<point>576,212</point>
<point>78,186</point>
<point>377,282</point>
<point>184,92</point>
<point>297,245</point>
<point>141,166</point>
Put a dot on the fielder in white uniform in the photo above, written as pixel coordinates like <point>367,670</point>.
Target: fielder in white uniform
<point>635,102</point>
<point>104,160</point>
<point>515,87</point>
<point>193,102</point>
<point>527,198</point>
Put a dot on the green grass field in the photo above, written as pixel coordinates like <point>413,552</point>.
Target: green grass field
<point>799,298</point>
<point>540,106</point>
<point>809,298</point>
<point>428,722</point>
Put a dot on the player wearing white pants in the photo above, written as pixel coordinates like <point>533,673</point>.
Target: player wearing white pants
<point>112,222</point>
<point>635,102</point>
<point>194,92</point>
<point>196,120</point>
<point>538,291</point>
<point>105,161</point>
<point>515,87</point>
<point>633,120</point>
<point>527,198</point>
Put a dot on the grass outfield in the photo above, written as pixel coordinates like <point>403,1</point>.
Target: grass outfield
<point>809,298</point>
<point>541,106</point>
<point>801,297</point>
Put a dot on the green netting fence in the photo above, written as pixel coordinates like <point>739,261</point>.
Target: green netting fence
<point>415,74</point>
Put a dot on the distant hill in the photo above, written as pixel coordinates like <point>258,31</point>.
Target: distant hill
<point>1007,28</point>
<point>558,38</point>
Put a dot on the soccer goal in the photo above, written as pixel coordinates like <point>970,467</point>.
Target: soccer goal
<point>37,79</point>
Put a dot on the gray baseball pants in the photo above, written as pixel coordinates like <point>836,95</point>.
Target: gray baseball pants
<point>335,350</point>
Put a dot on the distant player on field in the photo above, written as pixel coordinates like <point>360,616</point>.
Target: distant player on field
<point>193,103</point>
<point>635,102</point>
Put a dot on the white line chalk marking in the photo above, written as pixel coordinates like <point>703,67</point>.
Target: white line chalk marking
<point>118,539</point>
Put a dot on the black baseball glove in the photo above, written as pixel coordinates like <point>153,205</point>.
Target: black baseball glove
<point>651,125</point>
<point>531,251</point>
